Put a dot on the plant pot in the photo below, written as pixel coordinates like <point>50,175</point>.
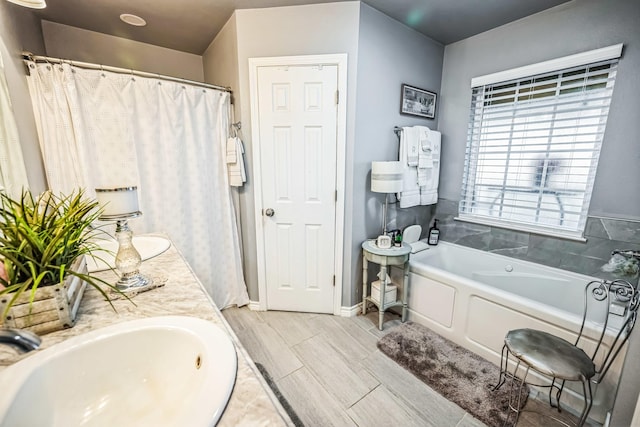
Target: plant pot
<point>53,307</point>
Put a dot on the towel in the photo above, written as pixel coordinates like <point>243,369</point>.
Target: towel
<point>411,141</point>
<point>429,191</point>
<point>231,151</point>
<point>425,156</point>
<point>235,169</point>
<point>410,195</point>
<point>420,184</point>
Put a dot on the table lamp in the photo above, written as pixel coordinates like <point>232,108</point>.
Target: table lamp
<point>386,177</point>
<point>120,205</point>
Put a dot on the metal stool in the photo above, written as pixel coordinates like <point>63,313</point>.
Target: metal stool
<point>562,361</point>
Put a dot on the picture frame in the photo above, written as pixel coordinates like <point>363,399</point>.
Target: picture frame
<point>418,102</point>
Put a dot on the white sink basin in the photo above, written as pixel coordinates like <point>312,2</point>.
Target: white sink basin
<point>147,247</point>
<point>160,371</point>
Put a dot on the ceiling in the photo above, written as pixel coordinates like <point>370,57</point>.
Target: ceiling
<point>191,25</point>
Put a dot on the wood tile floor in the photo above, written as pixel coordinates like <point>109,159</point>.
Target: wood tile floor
<point>332,374</point>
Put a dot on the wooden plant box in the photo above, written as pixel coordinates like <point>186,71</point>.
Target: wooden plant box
<point>54,307</point>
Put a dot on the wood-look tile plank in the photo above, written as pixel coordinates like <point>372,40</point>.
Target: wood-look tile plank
<point>366,339</point>
<point>383,408</point>
<point>340,340</point>
<point>413,392</point>
<point>333,372</point>
<point>537,412</point>
<point>266,346</point>
<point>390,321</point>
<point>241,318</point>
<point>292,327</point>
<point>313,404</point>
<point>469,421</point>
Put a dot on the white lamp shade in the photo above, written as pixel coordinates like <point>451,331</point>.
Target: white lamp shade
<point>386,177</point>
<point>33,4</point>
<point>118,201</point>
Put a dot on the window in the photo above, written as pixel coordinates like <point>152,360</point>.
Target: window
<point>534,142</point>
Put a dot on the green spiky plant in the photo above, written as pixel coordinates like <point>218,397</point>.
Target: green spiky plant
<point>41,237</point>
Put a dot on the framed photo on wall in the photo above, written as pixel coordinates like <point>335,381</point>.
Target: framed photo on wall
<point>418,102</point>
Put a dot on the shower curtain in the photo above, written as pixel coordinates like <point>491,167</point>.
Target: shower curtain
<point>13,175</point>
<point>104,129</point>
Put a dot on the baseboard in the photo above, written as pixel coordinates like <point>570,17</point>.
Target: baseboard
<point>351,311</point>
<point>344,311</point>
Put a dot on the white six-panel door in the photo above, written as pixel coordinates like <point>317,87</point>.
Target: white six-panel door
<point>298,138</point>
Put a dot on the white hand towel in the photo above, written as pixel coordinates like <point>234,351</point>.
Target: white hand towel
<point>236,171</point>
<point>409,137</point>
<point>425,156</point>
<point>429,191</point>
<point>410,195</point>
<point>231,150</point>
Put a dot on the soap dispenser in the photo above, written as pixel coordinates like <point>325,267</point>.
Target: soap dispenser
<point>434,233</point>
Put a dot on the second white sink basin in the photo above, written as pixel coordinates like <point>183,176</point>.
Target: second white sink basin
<point>147,247</point>
<point>160,371</point>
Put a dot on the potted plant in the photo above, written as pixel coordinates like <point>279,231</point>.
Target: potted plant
<point>43,273</point>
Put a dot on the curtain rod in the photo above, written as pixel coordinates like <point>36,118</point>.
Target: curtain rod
<point>28,56</point>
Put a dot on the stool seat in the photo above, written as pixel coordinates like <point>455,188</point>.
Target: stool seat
<point>550,355</point>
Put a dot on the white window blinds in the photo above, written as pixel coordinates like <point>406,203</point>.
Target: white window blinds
<point>533,147</point>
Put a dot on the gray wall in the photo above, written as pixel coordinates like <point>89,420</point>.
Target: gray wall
<point>220,60</point>
<point>19,31</point>
<point>382,54</point>
<point>573,27</point>
<point>283,31</point>
<point>389,54</point>
<point>64,41</point>
<point>570,28</point>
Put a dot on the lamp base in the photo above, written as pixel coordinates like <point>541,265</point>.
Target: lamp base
<point>133,281</point>
<point>132,291</point>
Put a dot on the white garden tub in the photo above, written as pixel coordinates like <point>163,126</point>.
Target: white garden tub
<point>474,298</point>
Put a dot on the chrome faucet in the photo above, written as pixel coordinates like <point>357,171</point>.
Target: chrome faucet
<point>22,339</point>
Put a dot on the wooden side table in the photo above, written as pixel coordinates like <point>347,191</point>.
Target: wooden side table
<point>385,258</point>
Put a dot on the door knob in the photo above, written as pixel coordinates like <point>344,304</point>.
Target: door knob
<point>269,212</point>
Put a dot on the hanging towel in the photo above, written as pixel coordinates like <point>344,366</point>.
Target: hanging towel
<point>231,150</point>
<point>425,157</point>
<point>420,184</point>
<point>237,174</point>
<point>409,137</point>
<point>429,191</point>
<point>409,144</point>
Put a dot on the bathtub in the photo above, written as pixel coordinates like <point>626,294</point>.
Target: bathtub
<point>474,298</point>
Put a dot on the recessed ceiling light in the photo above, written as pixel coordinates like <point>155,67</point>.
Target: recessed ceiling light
<point>133,20</point>
<point>34,4</point>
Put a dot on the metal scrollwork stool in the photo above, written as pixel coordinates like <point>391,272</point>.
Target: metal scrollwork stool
<point>612,307</point>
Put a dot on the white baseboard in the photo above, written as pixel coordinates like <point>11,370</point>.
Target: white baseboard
<point>351,311</point>
<point>344,311</point>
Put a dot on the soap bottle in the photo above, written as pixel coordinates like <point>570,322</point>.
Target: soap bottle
<point>434,233</point>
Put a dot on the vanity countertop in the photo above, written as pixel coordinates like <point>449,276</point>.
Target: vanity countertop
<point>251,403</point>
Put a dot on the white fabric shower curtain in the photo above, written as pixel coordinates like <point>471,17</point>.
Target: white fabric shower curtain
<point>105,129</point>
<point>13,175</point>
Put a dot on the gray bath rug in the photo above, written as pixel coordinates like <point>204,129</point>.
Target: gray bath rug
<point>456,373</point>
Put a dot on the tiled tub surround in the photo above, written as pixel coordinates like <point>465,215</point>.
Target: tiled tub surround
<point>251,403</point>
<point>603,235</point>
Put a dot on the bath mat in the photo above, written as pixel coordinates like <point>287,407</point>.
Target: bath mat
<point>295,419</point>
<point>456,373</point>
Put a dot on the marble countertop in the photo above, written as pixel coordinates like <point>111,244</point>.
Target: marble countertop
<point>252,401</point>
